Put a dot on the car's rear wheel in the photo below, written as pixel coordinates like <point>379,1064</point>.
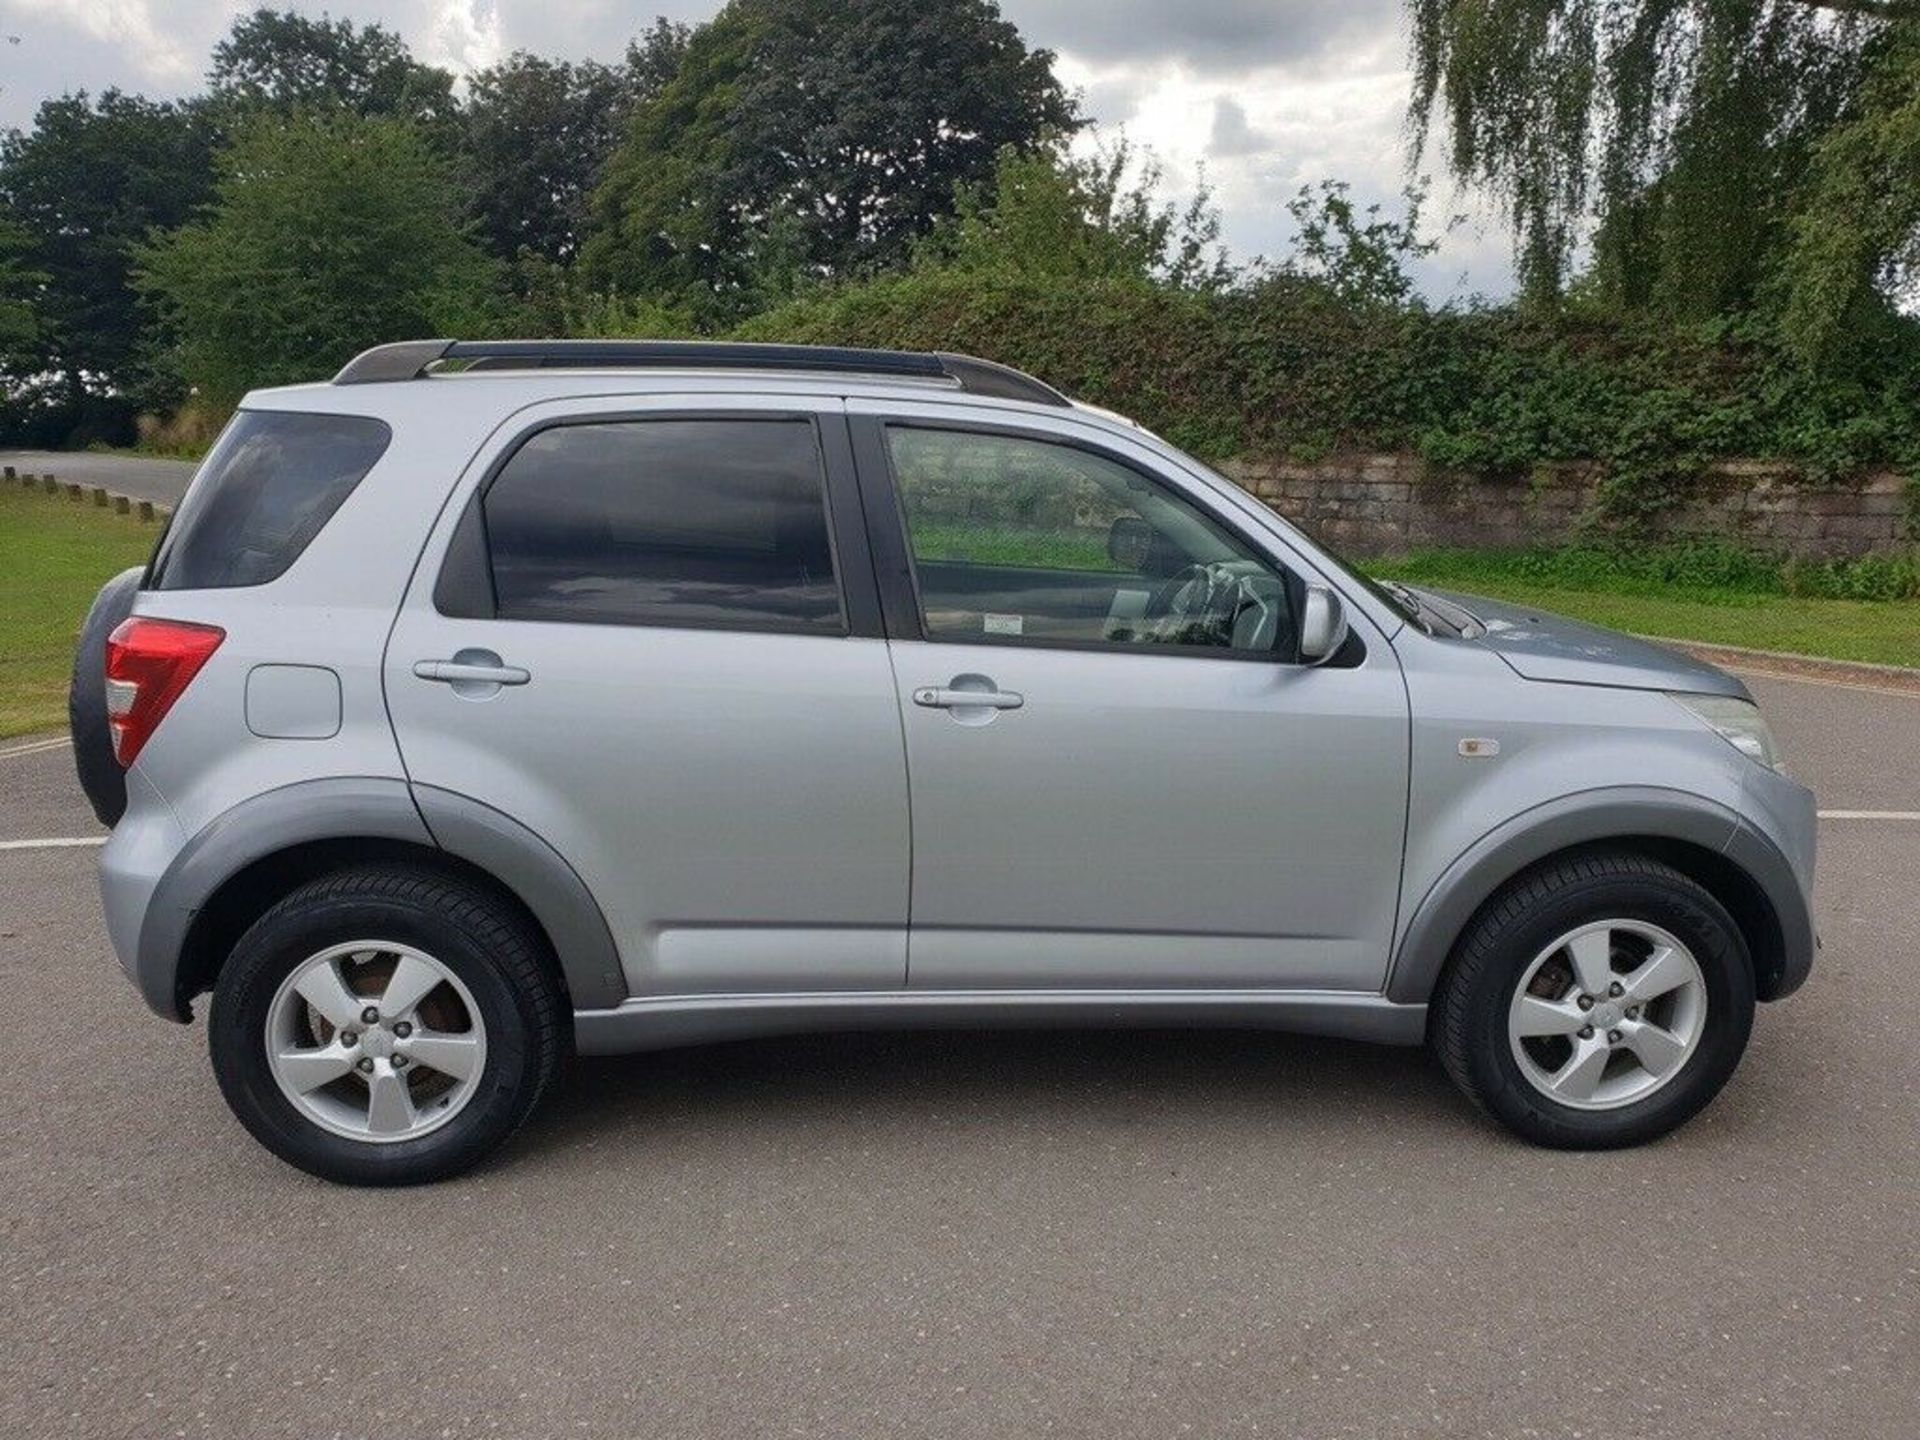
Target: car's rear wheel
<point>385,1026</point>
<point>1598,1001</point>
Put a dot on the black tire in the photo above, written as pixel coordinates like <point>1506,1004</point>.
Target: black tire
<point>101,777</point>
<point>482,941</point>
<point>1468,1024</point>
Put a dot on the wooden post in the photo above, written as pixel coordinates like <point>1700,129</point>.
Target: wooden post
<point>50,484</point>
<point>146,512</point>
<point>100,496</point>
<point>122,505</point>
<point>11,472</point>
<point>74,492</point>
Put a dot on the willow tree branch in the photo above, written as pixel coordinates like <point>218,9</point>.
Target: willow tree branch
<point>1878,9</point>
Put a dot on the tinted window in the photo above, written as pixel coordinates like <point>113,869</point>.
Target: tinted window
<point>1021,539</point>
<point>665,522</point>
<point>262,494</point>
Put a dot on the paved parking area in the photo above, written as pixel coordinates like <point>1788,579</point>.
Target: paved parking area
<point>141,477</point>
<point>983,1235</point>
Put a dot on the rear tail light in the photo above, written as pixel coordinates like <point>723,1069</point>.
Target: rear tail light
<point>149,664</point>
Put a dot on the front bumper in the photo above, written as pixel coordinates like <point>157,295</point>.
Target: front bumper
<point>1775,844</point>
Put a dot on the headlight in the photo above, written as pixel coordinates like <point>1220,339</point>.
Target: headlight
<point>1738,723</point>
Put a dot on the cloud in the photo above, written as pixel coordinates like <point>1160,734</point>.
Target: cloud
<point>463,35</point>
<point>1232,133</point>
<point>1216,36</point>
<point>110,41</point>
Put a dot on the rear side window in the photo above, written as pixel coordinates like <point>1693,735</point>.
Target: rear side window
<point>273,480</point>
<point>719,523</point>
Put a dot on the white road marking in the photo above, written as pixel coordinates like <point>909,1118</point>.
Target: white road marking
<point>1870,814</point>
<point>1822,680</point>
<point>35,747</point>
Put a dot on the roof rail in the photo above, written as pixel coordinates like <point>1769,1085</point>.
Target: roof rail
<point>413,359</point>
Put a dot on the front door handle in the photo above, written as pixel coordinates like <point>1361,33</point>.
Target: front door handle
<point>941,697</point>
<point>470,672</point>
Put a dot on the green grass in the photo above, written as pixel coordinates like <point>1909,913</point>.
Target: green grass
<point>1885,632</point>
<point>143,451</point>
<point>54,557</point>
<point>1031,549</point>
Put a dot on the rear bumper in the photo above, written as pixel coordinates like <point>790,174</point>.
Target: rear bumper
<point>136,858</point>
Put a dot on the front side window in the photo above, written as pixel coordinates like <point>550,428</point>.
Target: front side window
<point>1019,538</point>
<point>665,522</point>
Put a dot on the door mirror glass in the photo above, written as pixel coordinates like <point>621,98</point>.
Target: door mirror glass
<point>1323,625</point>
<point>1130,543</point>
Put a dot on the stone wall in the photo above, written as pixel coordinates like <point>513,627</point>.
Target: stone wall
<point>1376,504</point>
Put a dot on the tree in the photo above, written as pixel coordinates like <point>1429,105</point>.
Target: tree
<point>329,232</point>
<point>1689,133</point>
<point>85,185</point>
<point>654,58</point>
<point>282,61</point>
<point>1080,220</point>
<point>20,292</point>
<point>817,138</point>
<point>1856,237</point>
<point>537,135</point>
<point>1362,256</point>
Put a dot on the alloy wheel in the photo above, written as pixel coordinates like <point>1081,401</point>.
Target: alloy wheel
<point>1607,1014</point>
<point>375,1041</point>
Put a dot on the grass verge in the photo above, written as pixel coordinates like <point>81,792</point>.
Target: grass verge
<point>54,557</point>
<point>1885,632</point>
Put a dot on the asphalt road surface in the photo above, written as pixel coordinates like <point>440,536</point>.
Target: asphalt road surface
<point>1005,1236</point>
<point>135,476</point>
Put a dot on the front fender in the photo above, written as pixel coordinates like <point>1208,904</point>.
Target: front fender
<point>1588,817</point>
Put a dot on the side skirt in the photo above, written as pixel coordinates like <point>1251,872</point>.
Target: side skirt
<point>665,1021</point>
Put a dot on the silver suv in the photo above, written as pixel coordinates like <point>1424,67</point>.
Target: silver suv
<point>501,699</point>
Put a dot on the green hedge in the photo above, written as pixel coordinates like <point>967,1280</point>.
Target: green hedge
<point>1282,368</point>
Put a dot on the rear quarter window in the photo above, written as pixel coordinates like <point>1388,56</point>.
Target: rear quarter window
<point>266,489</point>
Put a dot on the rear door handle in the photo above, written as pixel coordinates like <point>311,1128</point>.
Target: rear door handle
<point>460,672</point>
<point>939,697</point>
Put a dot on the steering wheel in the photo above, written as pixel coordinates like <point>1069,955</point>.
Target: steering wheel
<point>1212,604</point>
<point>1186,601</point>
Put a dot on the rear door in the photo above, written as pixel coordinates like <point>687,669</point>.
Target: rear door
<point>1120,777</point>
<point>647,630</point>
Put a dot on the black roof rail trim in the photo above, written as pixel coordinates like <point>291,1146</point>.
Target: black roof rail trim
<point>410,359</point>
<point>403,360</point>
<point>989,377</point>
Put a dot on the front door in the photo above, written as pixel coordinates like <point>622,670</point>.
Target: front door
<point>644,637</point>
<point>1120,777</point>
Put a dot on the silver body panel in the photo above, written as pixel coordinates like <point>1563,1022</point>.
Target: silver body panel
<point>735,833</point>
<point>1156,820</point>
<point>736,801</point>
<point>1539,646</point>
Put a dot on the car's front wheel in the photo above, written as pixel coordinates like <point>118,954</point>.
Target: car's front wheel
<point>385,1026</point>
<point>1598,1001</point>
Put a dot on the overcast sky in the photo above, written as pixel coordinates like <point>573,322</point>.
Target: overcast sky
<point>1266,95</point>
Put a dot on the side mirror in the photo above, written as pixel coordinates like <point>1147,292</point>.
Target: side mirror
<point>1130,543</point>
<point>1323,625</point>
